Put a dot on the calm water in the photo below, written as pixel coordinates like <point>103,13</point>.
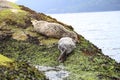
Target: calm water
<point>101,28</point>
<point>54,73</point>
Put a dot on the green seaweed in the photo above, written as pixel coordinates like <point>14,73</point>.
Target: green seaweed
<point>4,60</point>
<point>19,19</point>
<point>86,62</point>
<point>20,71</point>
<point>80,65</point>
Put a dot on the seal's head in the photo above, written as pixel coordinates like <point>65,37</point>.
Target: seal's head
<point>34,21</point>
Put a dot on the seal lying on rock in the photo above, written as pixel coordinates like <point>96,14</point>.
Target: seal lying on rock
<point>54,30</point>
<point>66,46</point>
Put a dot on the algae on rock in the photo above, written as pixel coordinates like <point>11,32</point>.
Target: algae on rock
<point>86,62</point>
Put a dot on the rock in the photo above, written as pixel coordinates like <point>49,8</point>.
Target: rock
<point>5,35</point>
<point>54,73</point>
<point>20,35</point>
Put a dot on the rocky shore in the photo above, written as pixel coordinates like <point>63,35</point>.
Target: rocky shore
<point>22,45</point>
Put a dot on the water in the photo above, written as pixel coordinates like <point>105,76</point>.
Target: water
<point>54,73</point>
<point>101,28</point>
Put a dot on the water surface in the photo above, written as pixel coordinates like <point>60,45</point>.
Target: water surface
<point>54,73</point>
<point>100,28</point>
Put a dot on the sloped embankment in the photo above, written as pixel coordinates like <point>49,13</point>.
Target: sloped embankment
<point>21,43</point>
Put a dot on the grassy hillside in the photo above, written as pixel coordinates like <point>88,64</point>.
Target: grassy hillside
<point>19,42</point>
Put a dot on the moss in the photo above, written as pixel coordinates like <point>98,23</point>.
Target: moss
<point>86,62</point>
<point>13,5</point>
<point>20,70</point>
<point>10,18</point>
<point>19,35</point>
<point>80,65</point>
<point>4,60</point>
<point>24,51</point>
<point>49,41</point>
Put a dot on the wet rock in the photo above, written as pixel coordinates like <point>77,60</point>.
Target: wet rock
<point>5,35</point>
<point>54,73</point>
<point>33,40</point>
<point>19,35</point>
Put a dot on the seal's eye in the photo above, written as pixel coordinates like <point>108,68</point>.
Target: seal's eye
<point>73,37</point>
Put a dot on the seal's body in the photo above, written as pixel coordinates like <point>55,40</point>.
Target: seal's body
<point>54,30</point>
<point>66,45</point>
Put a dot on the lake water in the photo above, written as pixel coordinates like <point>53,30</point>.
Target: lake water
<point>100,28</point>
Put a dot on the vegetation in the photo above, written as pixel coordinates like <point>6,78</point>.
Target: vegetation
<point>4,60</point>
<point>25,47</point>
<point>77,63</point>
<point>13,5</point>
<point>20,71</point>
<point>13,18</point>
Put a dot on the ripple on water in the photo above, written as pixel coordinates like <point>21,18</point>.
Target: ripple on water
<point>101,28</point>
<point>53,73</point>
